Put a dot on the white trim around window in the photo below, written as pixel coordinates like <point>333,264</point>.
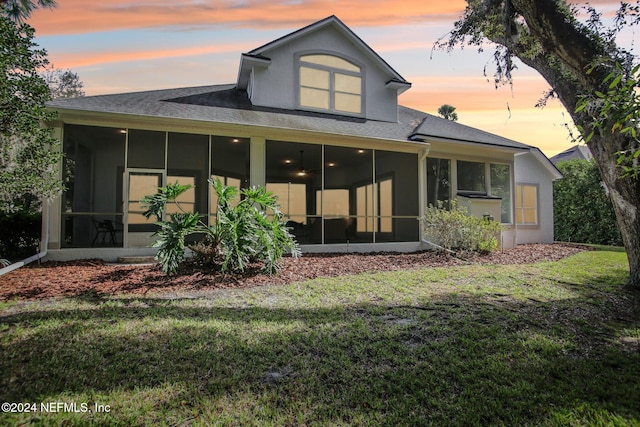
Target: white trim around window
<point>527,202</point>
<point>329,82</point>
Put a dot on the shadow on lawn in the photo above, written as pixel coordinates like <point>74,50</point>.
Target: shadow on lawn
<point>459,360</point>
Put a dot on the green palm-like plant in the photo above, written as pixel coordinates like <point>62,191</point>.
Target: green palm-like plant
<point>172,233</point>
<point>244,232</point>
<point>448,112</point>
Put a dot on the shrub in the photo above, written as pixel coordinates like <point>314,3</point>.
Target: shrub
<point>582,211</point>
<point>250,230</point>
<point>20,234</point>
<point>455,229</point>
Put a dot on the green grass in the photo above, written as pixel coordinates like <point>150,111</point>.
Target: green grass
<point>545,344</point>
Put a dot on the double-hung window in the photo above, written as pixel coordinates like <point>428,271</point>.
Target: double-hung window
<point>526,204</point>
<point>330,83</point>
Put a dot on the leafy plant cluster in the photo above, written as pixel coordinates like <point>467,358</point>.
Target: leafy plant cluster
<point>19,234</point>
<point>455,229</point>
<point>581,209</point>
<point>617,111</point>
<point>243,232</point>
<point>28,151</point>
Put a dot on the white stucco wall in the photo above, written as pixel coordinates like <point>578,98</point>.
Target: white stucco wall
<point>529,170</point>
<point>276,85</point>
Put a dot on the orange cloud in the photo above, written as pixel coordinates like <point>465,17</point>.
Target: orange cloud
<point>472,92</point>
<point>75,60</point>
<point>79,16</point>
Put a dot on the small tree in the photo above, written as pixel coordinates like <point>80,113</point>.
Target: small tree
<point>63,83</point>
<point>251,230</point>
<point>28,151</point>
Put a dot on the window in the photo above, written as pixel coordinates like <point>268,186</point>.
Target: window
<point>500,176</point>
<point>330,83</point>
<point>526,204</point>
<point>438,182</point>
<point>364,208</point>
<point>471,177</point>
<point>385,205</point>
<point>292,198</point>
<point>336,203</point>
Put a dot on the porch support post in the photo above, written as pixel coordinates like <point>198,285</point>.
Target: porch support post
<point>52,211</point>
<point>422,181</point>
<point>258,158</point>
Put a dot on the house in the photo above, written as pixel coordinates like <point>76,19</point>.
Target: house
<point>580,152</point>
<point>314,116</point>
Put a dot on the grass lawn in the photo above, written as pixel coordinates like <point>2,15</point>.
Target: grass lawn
<point>543,344</point>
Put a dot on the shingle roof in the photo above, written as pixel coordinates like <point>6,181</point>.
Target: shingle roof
<point>576,152</point>
<point>226,104</point>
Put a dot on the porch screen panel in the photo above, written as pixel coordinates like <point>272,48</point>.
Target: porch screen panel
<point>350,169</point>
<point>146,149</point>
<point>188,163</point>
<point>294,174</point>
<point>229,164</point>
<point>397,197</point>
<point>92,204</point>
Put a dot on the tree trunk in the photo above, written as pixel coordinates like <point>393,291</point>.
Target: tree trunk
<point>577,50</point>
<point>624,193</point>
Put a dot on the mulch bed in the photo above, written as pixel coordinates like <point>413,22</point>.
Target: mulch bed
<point>96,278</point>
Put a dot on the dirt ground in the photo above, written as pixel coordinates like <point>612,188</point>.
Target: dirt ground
<point>97,278</point>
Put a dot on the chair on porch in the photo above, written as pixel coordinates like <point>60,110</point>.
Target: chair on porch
<point>107,228</point>
<point>101,230</point>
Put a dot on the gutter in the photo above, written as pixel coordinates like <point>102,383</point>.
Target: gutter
<point>38,256</point>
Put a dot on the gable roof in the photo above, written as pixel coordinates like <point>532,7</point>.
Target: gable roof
<point>581,152</point>
<point>260,55</point>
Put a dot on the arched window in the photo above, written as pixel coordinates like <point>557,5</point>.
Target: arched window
<point>330,83</point>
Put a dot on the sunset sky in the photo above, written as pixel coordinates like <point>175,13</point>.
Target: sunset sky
<point>133,45</point>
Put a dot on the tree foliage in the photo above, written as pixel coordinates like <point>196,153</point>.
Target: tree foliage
<point>582,212</point>
<point>28,151</point>
<point>594,79</point>
<point>63,83</point>
<point>19,10</point>
<point>448,112</point>
<point>243,232</point>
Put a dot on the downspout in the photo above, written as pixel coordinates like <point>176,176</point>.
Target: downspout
<point>38,256</point>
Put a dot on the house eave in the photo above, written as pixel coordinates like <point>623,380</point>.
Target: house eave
<point>461,142</point>
<point>162,123</point>
<point>247,63</point>
<point>398,85</point>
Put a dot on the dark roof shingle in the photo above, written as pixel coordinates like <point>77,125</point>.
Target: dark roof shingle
<point>226,104</point>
